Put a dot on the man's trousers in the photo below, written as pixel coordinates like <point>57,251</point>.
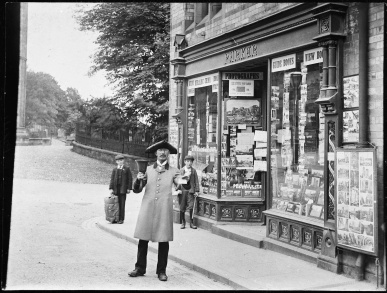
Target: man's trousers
<point>162,256</point>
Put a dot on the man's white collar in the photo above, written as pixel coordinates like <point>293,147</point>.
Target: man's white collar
<point>162,164</point>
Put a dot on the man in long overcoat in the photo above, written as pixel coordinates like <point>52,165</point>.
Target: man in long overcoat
<point>155,219</point>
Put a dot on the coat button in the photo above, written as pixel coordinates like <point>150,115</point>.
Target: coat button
<point>156,198</point>
<point>158,185</point>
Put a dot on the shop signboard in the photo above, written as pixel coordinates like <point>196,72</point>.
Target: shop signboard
<point>202,81</point>
<point>242,75</point>
<point>356,200</point>
<point>283,63</point>
<point>313,56</point>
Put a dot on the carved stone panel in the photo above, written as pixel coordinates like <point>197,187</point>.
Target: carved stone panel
<point>295,234</point>
<point>255,214</point>
<point>273,228</point>
<point>318,240</point>
<point>206,209</point>
<point>307,237</point>
<point>201,208</point>
<point>284,231</point>
<point>240,213</point>
<point>225,213</point>
<point>212,211</point>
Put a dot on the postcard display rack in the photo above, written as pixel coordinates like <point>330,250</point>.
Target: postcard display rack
<point>356,200</point>
<point>244,144</point>
<point>297,184</point>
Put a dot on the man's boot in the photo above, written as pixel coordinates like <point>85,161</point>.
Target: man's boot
<point>182,220</point>
<point>191,220</point>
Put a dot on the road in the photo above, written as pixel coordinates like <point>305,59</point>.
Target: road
<point>54,242</point>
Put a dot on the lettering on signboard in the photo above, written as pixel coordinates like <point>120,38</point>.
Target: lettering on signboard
<point>243,53</point>
<point>243,75</point>
<point>313,56</point>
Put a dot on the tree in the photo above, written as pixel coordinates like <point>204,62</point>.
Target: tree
<point>43,98</point>
<point>134,51</point>
<point>71,113</point>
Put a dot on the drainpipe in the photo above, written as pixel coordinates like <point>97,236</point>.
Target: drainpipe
<point>363,104</point>
<point>363,73</point>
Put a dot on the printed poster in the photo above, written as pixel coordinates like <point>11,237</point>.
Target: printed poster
<point>356,200</point>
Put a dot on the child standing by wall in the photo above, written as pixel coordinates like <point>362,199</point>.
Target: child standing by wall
<point>120,185</point>
<point>187,197</point>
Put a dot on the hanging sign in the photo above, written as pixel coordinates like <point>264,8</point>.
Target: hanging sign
<point>283,63</point>
<point>356,200</point>
<point>313,56</point>
<point>241,88</point>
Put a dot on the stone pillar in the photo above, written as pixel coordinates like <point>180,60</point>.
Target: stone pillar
<point>21,133</point>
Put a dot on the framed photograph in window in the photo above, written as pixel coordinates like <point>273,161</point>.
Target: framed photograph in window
<point>243,111</point>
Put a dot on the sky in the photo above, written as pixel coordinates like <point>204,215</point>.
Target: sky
<point>56,46</point>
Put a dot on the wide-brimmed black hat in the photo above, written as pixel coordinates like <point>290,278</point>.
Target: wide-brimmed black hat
<point>161,145</point>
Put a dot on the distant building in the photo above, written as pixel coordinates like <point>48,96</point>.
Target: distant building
<point>315,72</point>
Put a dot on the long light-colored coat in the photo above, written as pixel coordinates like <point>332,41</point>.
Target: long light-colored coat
<point>155,219</point>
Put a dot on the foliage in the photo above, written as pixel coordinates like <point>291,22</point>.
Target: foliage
<point>134,52</point>
<point>43,99</point>
<point>48,105</point>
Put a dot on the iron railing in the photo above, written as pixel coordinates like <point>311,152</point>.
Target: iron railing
<point>118,141</point>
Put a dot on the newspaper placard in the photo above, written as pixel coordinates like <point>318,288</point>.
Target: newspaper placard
<point>356,200</point>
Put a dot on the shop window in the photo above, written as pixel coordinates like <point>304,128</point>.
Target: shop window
<point>202,137</point>
<point>240,149</point>
<point>297,141</point>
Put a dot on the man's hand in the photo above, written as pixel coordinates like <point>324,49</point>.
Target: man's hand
<point>140,175</point>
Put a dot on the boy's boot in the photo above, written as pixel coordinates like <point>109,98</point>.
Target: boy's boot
<point>182,220</point>
<point>191,220</point>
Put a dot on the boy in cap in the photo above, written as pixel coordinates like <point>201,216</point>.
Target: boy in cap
<point>155,218</point>
<point>187,196</point>
<point>120,185</point>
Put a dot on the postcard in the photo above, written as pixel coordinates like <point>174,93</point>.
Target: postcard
<point>260,152</point>
<point>242,149</point>
<point>260,165</point>
<point>260,136</point>
<point>245,138</point>
<point>244,161</point>
<point>315,211</point>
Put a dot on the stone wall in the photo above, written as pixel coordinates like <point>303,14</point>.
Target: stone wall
<point>107,156</point>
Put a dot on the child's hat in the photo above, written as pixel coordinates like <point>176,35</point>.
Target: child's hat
<point>189,157</point>
<point>120,157</point>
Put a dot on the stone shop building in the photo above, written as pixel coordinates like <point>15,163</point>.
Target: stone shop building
<point>281,105</point>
